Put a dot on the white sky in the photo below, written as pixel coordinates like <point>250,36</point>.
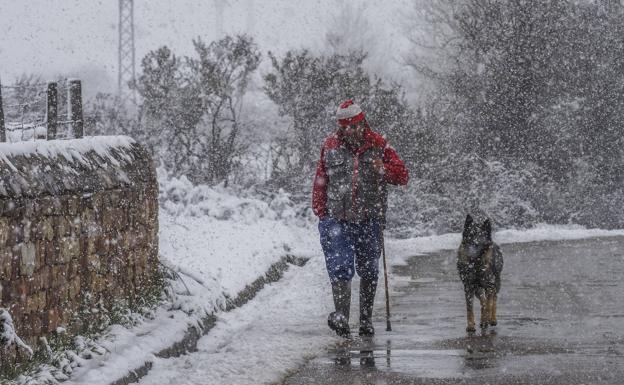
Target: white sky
<point>78,38</point>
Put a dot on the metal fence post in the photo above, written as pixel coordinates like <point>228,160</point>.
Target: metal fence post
<point>52,110</point>
<point>74,107</point>
<point>2,128</point>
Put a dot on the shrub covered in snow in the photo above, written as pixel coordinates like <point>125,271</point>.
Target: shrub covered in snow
<point>178,196</point>
<point>438,200</point>
<point>8,336</point>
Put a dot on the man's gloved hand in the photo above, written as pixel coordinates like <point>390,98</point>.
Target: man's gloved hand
<point>378,165</point>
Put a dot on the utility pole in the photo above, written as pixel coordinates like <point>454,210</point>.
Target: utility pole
<point>251,17</point>
<point>126,65</point>
<point>610,6</point>
<point>219,11</point>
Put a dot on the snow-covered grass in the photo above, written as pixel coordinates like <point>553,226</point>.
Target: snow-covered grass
<point>400,250</point>
<point>223,241</point>
<point>219,243</point>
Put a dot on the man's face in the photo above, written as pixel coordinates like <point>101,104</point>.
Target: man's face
<point>353,133</point>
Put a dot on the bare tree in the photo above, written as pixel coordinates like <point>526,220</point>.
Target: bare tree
<point>192,107</point>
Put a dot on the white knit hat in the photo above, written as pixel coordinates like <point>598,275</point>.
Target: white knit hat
<point>349,113</point>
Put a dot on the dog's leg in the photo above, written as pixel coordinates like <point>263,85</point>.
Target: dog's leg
<point>469,311</point>
<point>485,311</point>
<point>493,300</point>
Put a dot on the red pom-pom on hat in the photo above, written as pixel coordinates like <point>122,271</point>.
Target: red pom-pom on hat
<point>349,113</point>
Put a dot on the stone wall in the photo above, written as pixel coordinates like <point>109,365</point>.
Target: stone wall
<point>78,232</point>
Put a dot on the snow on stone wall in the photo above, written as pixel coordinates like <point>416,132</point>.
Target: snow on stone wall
<point>78,232</point>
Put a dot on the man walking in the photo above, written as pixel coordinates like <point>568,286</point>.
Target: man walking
<point>350,198</point>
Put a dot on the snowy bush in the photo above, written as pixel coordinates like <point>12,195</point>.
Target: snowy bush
<point>8,336</point>
<point>438,201</point>
<point>191,106</point>
<point>179,196</point>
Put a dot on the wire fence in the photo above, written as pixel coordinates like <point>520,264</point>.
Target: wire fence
<point>33,110</point>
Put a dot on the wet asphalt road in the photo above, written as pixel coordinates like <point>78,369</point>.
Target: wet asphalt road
<point>560,321</point>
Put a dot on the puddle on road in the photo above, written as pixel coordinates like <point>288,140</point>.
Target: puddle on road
<point>553,328</point>
<point>423,280</point>
<point>460,358</point>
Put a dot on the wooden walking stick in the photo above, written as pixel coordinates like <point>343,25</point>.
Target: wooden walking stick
<point>383,253</point>
<point>385,268</point>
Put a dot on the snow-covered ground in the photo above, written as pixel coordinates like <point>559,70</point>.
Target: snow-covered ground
<point>286,323</point>
<point>261,342</point>
<point>219,243</point>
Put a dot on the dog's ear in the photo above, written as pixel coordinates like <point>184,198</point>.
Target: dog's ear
<point>487,227</point>
<point>467,225</point>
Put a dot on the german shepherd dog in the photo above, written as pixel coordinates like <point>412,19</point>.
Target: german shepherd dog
<point>480,262</point>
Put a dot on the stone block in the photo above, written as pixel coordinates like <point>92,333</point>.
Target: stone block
<point>74,289</point>
<point>140,257</point>
<point>102,245</point>
<point>93,262</point>
<point>65,316</point>
<point>36,302</point>
<point>125,239</point>
<point>49,205</point>
<point>12,208</point>
<point>62,226</point>
<point>152,204</point>
<point>144,214</point>
<point>73,204</point>
<point>4,231</point>
<point>116,266</point>
<point>97,284</point>
<point>130,273</point>
<point>27,261</point>
<point>40,253</point>
<point>6,263</point>
<point>108,220</point>
<point>73,269</point>
<point>138,275</point>
<point>91,242</point>
<point>45,229</point>
<point>53,298</point>
<point>16,258</point>
<point>16,309</point>
<point>50,320</point>
<point>29,207</point>
<point>23,324</point>
<point>63,295</point>
<point>27,230</point>
<point>75,225</point>
<point>59,276</point>
<point>15,235</point>
<point>114,199</point>
<point>19,289</point>
<point>51,252</point>
<point>37,324</point>
<point>89,224</point>
<point>69,248</point>
<point>43,277</point>
<point>34,284</point>
<point>92,201</point>
<point>71,316</point>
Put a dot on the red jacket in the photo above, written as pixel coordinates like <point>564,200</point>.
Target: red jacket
<point>395,171</point>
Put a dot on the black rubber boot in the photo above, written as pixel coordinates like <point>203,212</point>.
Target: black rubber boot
<point>338,321</point>
<point>367,299</point>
